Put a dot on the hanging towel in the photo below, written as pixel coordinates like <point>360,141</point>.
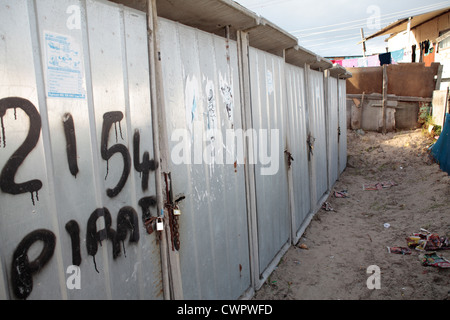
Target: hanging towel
<point>429,58</point>
<point>362,62</point>
<point>350,63</point>
<point>373,61</point>
<point>397,56</point>
<point>385,58</point>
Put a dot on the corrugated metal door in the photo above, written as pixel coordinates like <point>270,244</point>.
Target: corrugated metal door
<point>342,92</point>
<point>296,102</point>
<point>202,101</point>
<point>77,177</point>
<point>268,101</point>
<point>316,112</point>
<point>333,131</point>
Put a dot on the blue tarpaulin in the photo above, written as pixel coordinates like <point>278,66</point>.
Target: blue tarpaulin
<point>441,149</point>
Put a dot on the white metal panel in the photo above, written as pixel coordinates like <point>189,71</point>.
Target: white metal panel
<point>201,90</point>
<point>296,102</point>
<point>316,112</point>
<point>268,101</point>
<point>21,211</point>
<point>333,130</point>
<point>101,51</point>
<point>342,92</point>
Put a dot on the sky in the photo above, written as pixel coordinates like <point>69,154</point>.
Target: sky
<point>332,28</point>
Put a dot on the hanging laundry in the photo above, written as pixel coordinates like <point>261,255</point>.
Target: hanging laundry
<point>362,62</point>
<point>385,58</point>
<point>373,61</point>
<point>350,63</point>
<point>429,56</point>
<point>413,53</point>
<point>397,56</point>
<point>426,52</point>
<point>426,47</point>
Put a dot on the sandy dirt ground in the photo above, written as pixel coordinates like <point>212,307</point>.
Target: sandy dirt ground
<point>342,243</point>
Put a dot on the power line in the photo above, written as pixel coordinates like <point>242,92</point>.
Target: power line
<point>335,41</point>
<point>427,7</point>
<point>355,26</point>
<point>327,38</point>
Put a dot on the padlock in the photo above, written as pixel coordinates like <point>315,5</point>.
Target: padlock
<point>159,225</point>
<point>177,212</point>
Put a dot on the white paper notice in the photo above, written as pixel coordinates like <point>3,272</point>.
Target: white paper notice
<point>64,67</point>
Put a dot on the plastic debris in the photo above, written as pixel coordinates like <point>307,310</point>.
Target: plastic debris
<point>303,246</point>
<point>379,185</point>
<point>327,207</point>
<point>427,241</point>
<point>341,194</point>
<point>386,225</point>
<point>399,250</point>
<point>433,260</point>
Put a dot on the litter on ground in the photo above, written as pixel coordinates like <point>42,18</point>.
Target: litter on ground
<point>379,185</point>
<point>427,241</point>
<point>433,260</point>
<point>341,194</point>
<point>399,250</point>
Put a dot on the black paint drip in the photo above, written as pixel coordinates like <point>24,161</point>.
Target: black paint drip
<point>115,130</point>
<point>95,264</point>
<point>32,197</point>
<point>3,132</point>
<point>107,169</point>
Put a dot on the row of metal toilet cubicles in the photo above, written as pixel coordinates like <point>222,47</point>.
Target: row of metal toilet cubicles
<point>250,145</point>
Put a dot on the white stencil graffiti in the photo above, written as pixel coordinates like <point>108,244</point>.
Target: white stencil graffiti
<point>211,102</point>
<point>227,96</point>
<point>191,95</point>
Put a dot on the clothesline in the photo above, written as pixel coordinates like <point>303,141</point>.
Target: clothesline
<point>376,60</point>
<point>426,55</point>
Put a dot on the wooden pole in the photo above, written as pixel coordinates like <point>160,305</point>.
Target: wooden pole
<point>363,42</point>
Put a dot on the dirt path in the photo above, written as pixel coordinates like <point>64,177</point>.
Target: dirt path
<point>344,242</point>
